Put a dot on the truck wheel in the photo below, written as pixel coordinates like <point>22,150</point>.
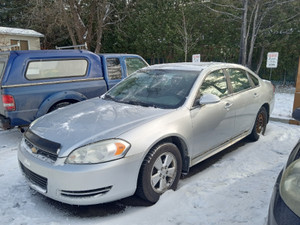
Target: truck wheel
<point>160,172</point>
<point>59,105</point>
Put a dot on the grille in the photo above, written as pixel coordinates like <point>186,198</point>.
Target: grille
<point>34,178</point>
<point>41,151</point>
<point>41,146</point>
<point>86,193</point>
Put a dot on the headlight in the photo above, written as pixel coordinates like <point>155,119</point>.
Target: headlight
<point>99,152</point>
<point>290,186</point>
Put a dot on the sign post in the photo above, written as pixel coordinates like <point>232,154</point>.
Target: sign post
<point>272,61</point>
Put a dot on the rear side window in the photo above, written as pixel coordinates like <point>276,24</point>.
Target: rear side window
<point>114,69</point>
<point>239,80</point>
<point>254,79</point>
<point>134,64</point>
<point>38,70</point>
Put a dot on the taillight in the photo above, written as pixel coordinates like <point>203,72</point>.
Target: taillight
<point>9,102</point>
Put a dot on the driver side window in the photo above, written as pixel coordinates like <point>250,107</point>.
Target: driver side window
<point>214,83</point>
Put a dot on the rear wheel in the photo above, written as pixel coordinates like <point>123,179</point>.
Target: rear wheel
<point>260,124</point>
<point>160,172</point>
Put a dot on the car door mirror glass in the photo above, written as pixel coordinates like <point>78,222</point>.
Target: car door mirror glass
<point>208,99</point>
<point>296,114</point>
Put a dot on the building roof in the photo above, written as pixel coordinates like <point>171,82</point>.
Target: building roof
<point>20,32</point>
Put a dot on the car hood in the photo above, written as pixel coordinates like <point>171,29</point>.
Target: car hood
<point>90,121</point>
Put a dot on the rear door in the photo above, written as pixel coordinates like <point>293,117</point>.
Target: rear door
<point>245,95</point>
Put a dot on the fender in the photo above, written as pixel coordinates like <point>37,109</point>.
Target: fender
<point>58,97</point>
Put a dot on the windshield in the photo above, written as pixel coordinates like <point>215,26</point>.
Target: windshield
<point>155,88</point>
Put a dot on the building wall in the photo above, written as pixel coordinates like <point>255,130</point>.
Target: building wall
<point>33,42</point>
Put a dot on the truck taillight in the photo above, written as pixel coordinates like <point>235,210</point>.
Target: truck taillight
<point>9,102</point>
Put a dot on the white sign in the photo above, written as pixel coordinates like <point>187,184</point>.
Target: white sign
<point>272,59</point>
<point>196,58</point>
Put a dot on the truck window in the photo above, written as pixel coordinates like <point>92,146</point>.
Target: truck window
<point>1,69</point>
<point>38,70</point>
<point>133,64</point>
<point>114,68</point>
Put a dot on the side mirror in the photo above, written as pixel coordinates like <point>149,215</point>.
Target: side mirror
<point>209,99</point>
<point>296,114</point>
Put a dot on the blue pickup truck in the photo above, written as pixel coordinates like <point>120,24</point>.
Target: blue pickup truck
<point>33,83</point>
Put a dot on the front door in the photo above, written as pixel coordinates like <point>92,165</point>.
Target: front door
<point>213,124</point>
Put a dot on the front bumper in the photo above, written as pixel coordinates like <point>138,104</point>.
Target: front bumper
<point>80,184</point>
<point>5,123</point>
<point>279,212</point>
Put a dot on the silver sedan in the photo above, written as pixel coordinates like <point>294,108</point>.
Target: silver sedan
<point>144,133</point>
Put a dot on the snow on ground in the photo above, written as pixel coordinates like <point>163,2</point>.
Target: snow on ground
<point>233,187</point>
<point>284,100</point>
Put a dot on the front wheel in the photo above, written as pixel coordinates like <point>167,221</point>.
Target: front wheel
<point>160,172</point>
<point>260,124</point>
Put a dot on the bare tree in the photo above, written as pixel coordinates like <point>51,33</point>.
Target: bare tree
<point>186,34</point>
<point>84,20</point>
<point>252,17</point>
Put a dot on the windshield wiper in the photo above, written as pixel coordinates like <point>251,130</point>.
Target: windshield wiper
<point>141,104</point>
<point>108,97</point>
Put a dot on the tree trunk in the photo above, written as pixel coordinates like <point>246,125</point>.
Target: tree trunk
<point>260,60</point>
<point>185,37</point>
<point>253,35</point>
<point>243,40</point>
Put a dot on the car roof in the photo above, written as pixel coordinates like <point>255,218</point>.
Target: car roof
<point>189,66</point>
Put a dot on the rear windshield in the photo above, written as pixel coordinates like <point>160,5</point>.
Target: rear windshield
<point>38,70</point>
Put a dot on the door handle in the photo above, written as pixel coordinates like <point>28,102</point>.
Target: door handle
<point>255,95</point>
<point>228,105</point>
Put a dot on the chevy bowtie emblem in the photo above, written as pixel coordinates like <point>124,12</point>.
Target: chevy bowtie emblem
<point>34,150</point>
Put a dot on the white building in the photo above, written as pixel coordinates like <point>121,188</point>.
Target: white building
<point>19,39</point>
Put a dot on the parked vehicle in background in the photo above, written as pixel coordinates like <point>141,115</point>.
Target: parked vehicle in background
<point>33,83</point>
<point>144,133</point>
<point>285,202</point>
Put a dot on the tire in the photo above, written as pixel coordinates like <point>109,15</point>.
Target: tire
<point>59,105</point>
<point>260,124</point>
<point>160,172</point>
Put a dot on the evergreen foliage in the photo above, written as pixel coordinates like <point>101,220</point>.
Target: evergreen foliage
<point>169,30</point>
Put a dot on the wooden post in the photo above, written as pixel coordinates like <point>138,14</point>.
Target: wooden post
<point>297,95</point>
